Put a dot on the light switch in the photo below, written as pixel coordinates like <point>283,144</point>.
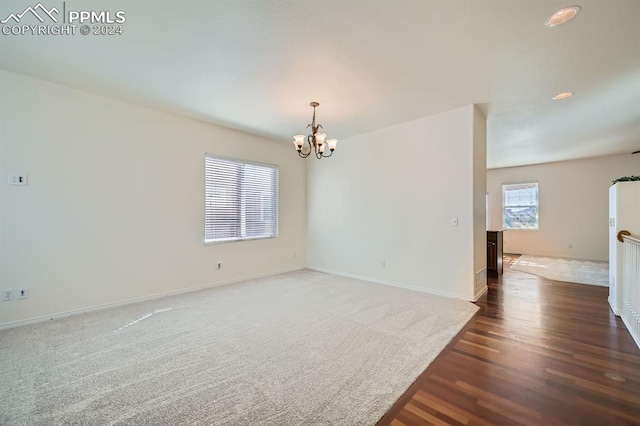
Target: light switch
<point>454,221</point>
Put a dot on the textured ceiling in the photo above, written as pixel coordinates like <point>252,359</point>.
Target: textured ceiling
<point>255,66</point>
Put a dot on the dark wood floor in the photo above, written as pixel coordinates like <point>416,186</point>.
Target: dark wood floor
<point>539,352</point>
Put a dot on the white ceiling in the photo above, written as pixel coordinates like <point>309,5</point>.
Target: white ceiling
<point>255,65</point>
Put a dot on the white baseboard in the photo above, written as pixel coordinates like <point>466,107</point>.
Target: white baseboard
<point>616,313</point>
<point>480,293</point>
<point>57,315</point>
<point>635,337</point>
<point>392,283</point>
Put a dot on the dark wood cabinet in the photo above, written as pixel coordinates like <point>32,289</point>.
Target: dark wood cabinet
<point>494,253</point>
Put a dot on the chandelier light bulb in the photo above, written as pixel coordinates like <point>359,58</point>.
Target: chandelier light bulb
<point>298,141</point>
<point>320,137</point>
<point>332,144</point>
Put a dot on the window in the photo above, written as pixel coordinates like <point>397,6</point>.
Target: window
<point>520,206</point>
<point>241,200</point>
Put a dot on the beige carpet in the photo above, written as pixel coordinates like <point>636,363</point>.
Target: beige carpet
<point>303,348</point>
<point>568,270</point>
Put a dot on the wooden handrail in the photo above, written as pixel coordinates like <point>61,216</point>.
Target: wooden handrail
<point>624,235</point>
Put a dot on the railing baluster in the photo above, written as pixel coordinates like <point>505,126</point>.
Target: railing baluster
<point>631,286</point>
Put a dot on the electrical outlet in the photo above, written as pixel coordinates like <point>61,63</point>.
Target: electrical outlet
<point>7,295</point>
<point>23,293</point>
<point>218,265</point>
<point>454,221</point>
<point>18,180</point>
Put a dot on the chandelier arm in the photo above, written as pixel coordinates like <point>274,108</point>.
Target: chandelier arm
<point>301,153</point>
<point>327,156</point>
<point>312,143</point>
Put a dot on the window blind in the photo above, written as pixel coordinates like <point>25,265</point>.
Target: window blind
<point>520,206</point>
<point>241,200</point>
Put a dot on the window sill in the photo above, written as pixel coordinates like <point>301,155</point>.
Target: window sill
<point>234,240</point>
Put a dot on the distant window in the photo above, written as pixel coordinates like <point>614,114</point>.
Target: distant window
<point>241,200</point>
<point>520,206</point>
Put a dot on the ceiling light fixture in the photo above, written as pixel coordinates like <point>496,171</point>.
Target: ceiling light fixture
<point>314,141</point>
<point>561,16</point>
<point>563,95</point>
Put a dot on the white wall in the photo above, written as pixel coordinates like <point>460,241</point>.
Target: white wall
<point>480,199</point>
<point>389,196</point>
<point>573,209</point>
<point>114,208</point>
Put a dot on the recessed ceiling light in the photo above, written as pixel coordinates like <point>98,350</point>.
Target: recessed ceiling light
<point>563,15</point>
<point>563,95</point>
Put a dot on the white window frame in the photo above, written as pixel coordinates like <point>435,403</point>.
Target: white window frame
<point>505,187</point>
<point>241,206</point>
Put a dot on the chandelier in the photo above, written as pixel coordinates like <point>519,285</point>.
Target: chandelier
<point>315,141</point>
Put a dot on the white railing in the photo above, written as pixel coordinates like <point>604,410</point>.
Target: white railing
<point>631,286</point>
